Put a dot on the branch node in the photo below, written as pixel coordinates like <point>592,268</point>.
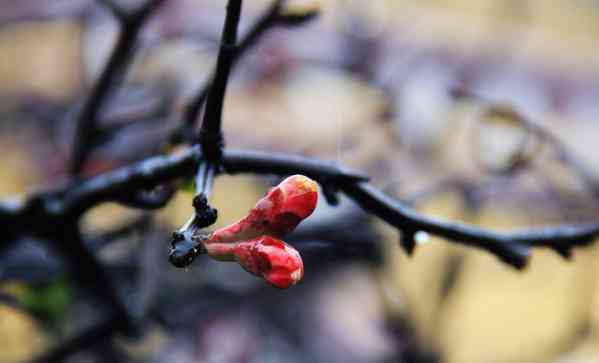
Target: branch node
<point>296,18</point>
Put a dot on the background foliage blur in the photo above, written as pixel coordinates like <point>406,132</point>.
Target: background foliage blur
<point>370,84</point>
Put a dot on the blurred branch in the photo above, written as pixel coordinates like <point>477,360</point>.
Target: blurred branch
<point>139,224</point>
<point>148,199</point>
<point>544,135</point>
<point>118,12</point>
<point>12,302</point>
<point>112,74</point>
<point>566,157</point>
<point>89,337</point>
<point>86,269</point>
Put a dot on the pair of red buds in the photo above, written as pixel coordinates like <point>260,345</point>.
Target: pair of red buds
<point>254,241</point>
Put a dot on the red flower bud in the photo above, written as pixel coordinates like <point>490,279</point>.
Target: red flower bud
<point>278,213</point>
<point>274,260</point>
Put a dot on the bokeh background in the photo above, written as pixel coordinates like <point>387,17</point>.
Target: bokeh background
<point>399,89</point>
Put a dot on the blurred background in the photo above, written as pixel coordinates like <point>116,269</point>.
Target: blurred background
<point>431,98</point>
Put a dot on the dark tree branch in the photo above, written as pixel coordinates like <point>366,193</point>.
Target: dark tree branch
<point>112,74</point>
<point>512,248</point>
<point>506,247</point>
<point>192,109</point>
<point>210,136</point>
<point>272,17</point>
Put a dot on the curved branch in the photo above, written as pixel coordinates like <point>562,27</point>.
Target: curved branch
<point>512,248</point>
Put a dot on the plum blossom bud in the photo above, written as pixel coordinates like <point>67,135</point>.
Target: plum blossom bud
<point>277,214</point>
<point>267,257</point>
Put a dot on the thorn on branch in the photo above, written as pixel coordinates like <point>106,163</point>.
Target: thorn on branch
<point>564,251</point>
<point>408,241</point>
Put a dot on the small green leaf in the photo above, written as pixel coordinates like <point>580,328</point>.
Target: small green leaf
<point>50,300</point>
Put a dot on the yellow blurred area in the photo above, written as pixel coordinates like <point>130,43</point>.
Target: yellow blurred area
<point>18,173</point>
<point>30,50</point>
<point>20,336</point>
